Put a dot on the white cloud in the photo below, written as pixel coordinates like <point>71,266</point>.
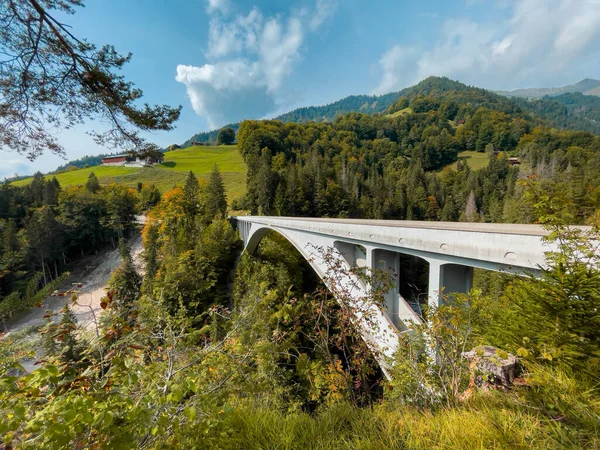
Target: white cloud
<point>223,6</point>
<point>251,57</point>
<point>226,91</point>
<point>541,38</point>
<point>241,34</point>
<point>324,9</point>
<point>12,166</point>
<point>278,50</point>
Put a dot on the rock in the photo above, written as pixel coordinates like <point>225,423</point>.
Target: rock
<point>491,366</point>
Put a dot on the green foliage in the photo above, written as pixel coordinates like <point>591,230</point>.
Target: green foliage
<point>92,185</point>
<point>551,317</point>
<point>288,368</point>
<point>121,208</point>
<point>429,369</point>
<point>125,283</point>
<point>149,196</point>
<point>191,196</point>
<point>14,303</point>
<point>572,111</point>
<point>61,341</point>
<point>215,199</point>
<point>226,136</point>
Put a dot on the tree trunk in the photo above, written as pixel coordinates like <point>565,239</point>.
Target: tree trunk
<point>43,268</point>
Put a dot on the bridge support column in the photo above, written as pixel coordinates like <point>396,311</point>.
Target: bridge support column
<point>396,308</point>
<point>447,279</point>
<point>389,262</point>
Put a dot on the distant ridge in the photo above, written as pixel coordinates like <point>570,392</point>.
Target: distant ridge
<point>366,104</point>
<point>587,86</point>
<point>565,108</point>
<point>434,86</point>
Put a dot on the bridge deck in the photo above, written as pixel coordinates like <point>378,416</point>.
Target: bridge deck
<point>501,228</point>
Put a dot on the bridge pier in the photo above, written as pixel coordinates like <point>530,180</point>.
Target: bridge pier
<point>396,307</point>
<point>447,279</point>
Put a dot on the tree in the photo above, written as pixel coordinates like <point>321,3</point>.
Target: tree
<point>60,340</point>
<point>121,207</point>
<point>125,283</point>
<point>471,208</point>
<point>51,191</point>
<point>226,136</point>
<point>149,196</point>
<point>10,242</point>
<point>191,195</point>
<point>264,183</point>
<point>44,239</point>
<point>215,199</point>
<point>46,68</point>
<point>92,184</point>
<point>81,213</point>
<point>36,189</point>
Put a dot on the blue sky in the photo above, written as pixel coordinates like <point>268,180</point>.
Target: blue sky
<point>226,60</point>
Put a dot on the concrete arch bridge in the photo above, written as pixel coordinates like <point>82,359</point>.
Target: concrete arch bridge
<point>424,259</point>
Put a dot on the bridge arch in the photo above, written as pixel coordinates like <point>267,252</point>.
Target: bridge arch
<point>259,233</point>
<point>376,327</point>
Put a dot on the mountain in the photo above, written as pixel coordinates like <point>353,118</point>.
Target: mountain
<point>586,87</point>
<point>565,107</point>
<point>572,111</point>
<point>366,104</point>
<point>208,137</point>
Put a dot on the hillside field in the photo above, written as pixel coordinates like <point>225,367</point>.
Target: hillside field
<point>475,160</point>
<point>171,172</point>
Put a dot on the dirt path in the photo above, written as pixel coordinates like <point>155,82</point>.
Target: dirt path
<point>93,273</point>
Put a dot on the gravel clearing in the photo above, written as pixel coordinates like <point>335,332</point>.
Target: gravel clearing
<point>92,273</point>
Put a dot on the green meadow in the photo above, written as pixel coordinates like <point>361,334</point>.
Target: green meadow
<point>475,160</point>
<point>171,172</point>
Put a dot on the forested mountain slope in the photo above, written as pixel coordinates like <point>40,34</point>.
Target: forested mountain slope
<point>386,166</point>
<point>437,87</point>
<point>573,111</point>
<point>366,104</point>
<point>327,113</point>
<point>568,111</point>
<point>587,86</point>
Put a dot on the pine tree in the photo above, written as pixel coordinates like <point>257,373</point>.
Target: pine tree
<point>264,183</point>
<point>60,340</point>
<point>10,242</point>
<point>50,193</point>
<point>215,199</point>
<point>36,189</point>
<point>150,255</point>
<point>92,185</point>
<point>44,238</point>
<point>191,196</point>
<point>125,283</point>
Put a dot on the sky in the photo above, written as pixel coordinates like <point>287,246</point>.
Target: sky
<point>228,60</point>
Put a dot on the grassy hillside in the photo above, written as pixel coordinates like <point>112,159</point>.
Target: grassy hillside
<point>177,164</point>
<point>475,160</point>
<point>407,110</point>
